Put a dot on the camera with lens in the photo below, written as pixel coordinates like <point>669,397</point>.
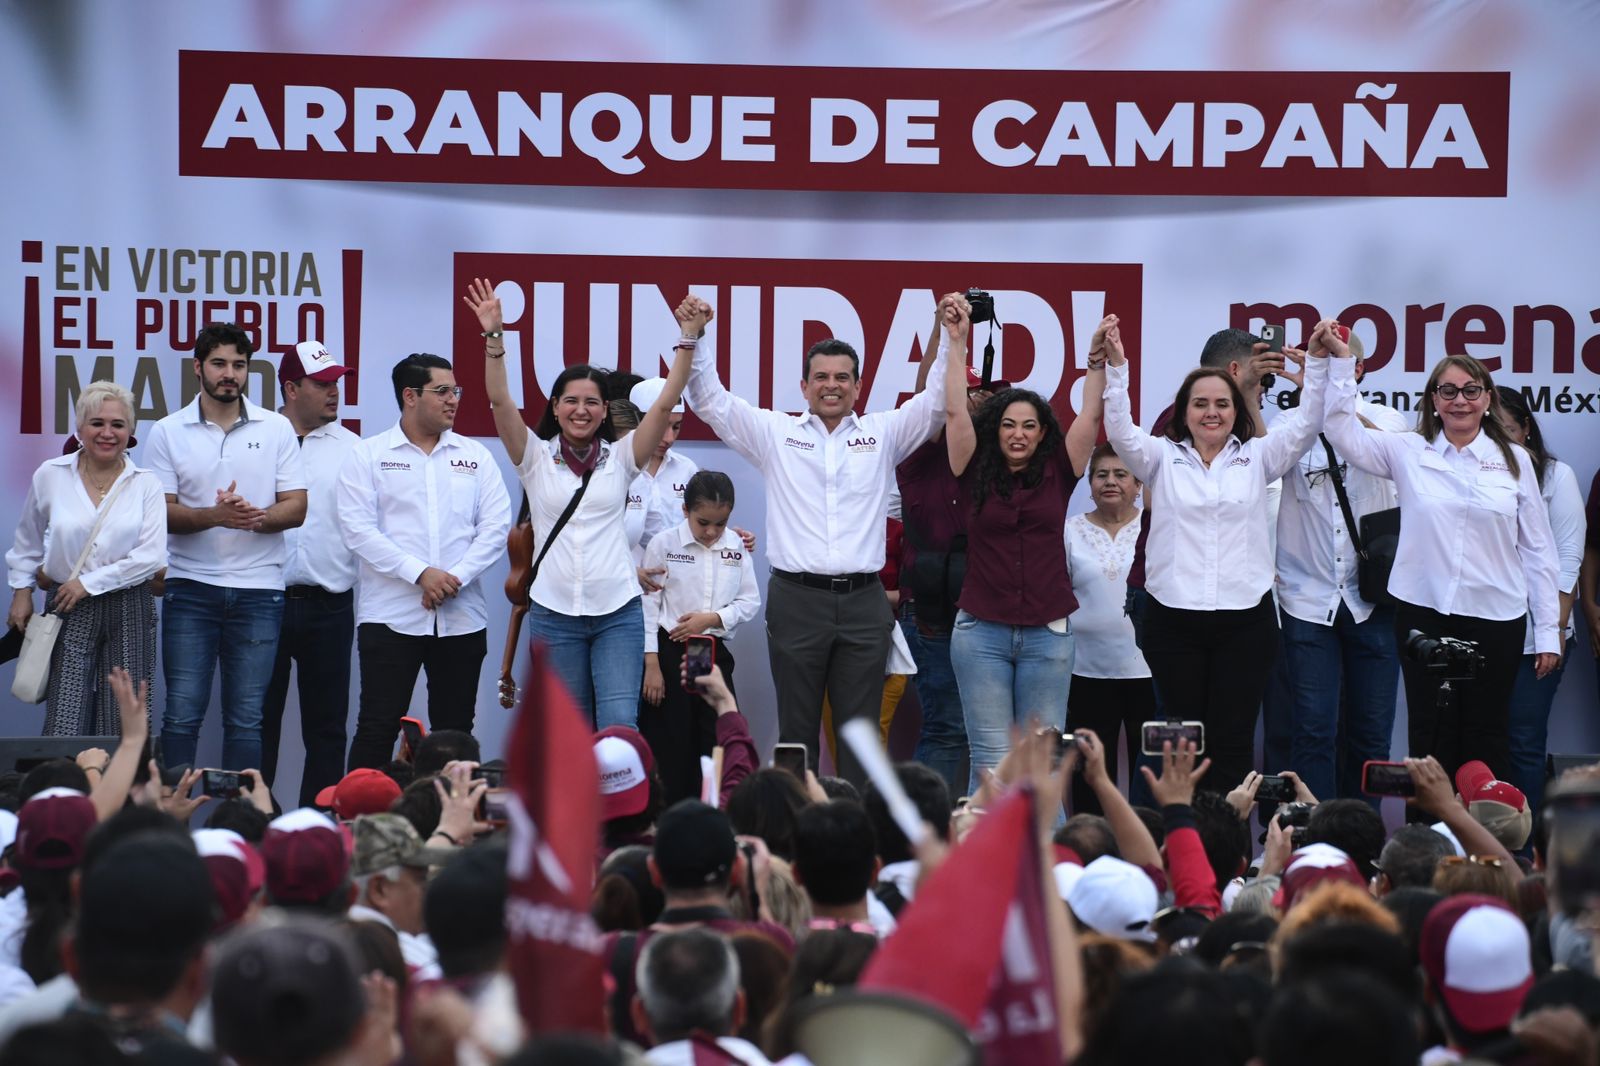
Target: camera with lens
<point>1447,657</point>
<point>982,304</point>
<point>1293,817</point>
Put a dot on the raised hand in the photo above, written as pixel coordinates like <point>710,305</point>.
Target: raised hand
<point>481,301</point>
<point>956,314</point>
<point>1106,344</point>
<point>1179,774</point>
<point>693,315</point>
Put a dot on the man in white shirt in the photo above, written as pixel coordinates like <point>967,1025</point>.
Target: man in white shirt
<point>1338,649</point>
<point>389,865</point>
<point>319,618</point>
<point>234,482</point>
<point>829,473</point>
<point>426,512</point>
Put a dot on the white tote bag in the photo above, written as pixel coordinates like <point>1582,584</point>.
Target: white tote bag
<point>39,639</point>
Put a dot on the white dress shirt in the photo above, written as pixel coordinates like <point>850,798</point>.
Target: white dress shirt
<point>1474,538</point>
<point>1568,524</point>
<point>1316,556</point>
<point>403,510</point>
<point>318,553</point>
<point>827,493</point>
<point>721,578</point>
<point>1210,546</point>
<point>655,501</point>
<point>589,570</point>
<point>58,515</point>
<point>194,458</point>
<point>1098,563</point>
<point>415,948</point>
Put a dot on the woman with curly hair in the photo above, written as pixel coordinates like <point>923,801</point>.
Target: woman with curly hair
<point>1011,645</point>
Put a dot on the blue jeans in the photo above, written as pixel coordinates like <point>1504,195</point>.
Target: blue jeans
<point>1527,730</point>
<point>201,625</point>
<point>1007,676</point>
<point>600,658</point>
<point>943,743</point>
<point>1359,660</point>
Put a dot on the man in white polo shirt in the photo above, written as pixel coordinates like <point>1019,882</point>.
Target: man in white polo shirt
<point>426,512</point>
<point>319,617</point>
<point>234,482</point>
<point>829,473</point>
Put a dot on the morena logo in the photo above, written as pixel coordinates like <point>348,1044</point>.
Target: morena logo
<point>680,557</point>
<point>392,464</point>
<point>1242,460</point>
<point>794,442</point>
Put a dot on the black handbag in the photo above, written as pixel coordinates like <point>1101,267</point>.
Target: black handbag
<point>1376,537</point>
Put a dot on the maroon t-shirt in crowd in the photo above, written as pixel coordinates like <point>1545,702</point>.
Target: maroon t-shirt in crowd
<point>1016,550</point>
<point>930,505</point>
<point>1136,571</point>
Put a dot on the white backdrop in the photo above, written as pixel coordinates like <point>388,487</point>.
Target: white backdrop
<point>104,183</point>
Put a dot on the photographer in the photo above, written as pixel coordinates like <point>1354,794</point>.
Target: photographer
<point>1475,549</point>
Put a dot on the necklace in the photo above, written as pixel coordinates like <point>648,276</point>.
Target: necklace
<point>99,489</point>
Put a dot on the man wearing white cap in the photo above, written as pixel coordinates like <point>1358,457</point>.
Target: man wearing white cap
<point>319,618</point>
<point>655,499</point>
<point>1113,898</point>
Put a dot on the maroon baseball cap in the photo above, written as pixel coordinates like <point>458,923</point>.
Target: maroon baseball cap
<point>1499,806</point>
<point>624,760</point>
<point>236,870</point>
<point>1313,865</point>
<point>306,855</point>
<point>52,828</point>
<point>310,359</point>
<point>359,792</point>
<point>1474,950</point>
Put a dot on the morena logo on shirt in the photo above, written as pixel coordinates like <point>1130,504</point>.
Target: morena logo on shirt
<point>795,442</point>
<point>1240,460</point>
<point>862,444</point>
<point>463,466</point>
<point>393,464</point>
<point>680,557</point>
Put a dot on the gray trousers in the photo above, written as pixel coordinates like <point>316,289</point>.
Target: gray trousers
<point>827,642</point>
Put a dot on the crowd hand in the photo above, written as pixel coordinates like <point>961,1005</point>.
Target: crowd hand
<point>130,705</point>
<point>1243,798</point>
<point>1259,365</point>
<point>1294,367</point>
<point>759,873</point>
<point>21,609</point>
<point>259,794</point>
<point>93,759</point>
<point>814,788</point>
<point>482,302</point>
<point>693,624</point>
<point>178,802</point>
<point>1094,758</point>
<point>647,578</point>
<point>1106,344</point>
<point>1179,774</point>
<point>233,511</point>
<point>1435,792</point>
<point>1036,758</point>
<point>956,314</point>
<point>693,315</point>
<point>712,687</point>
<point>1280,845</point>
<point>380,1042</point>
<point>1557,1036</point>
<point>441,1019</point>
<point>1325,341</point>
<point>1302,794</point>
<point>654,689</point>
<point>459,795</point>
<point>748,537</point>
<point>1545,663</point>
<point>437,586</point>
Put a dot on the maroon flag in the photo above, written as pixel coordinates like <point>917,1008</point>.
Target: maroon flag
<point>995,976</point>
<point>553,808</point>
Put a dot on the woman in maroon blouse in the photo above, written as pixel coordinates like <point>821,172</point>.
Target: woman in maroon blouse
<point>1011,646</point>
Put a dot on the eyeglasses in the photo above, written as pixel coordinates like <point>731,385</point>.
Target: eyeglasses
<point>1321,474</point>
<point>1476,860</point>
<point>1449,392</point>
<point>444,391</point>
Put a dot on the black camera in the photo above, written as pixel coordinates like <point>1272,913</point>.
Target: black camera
<point>1293,817</point>
<point>982,304</point>
<point>1449,658</point>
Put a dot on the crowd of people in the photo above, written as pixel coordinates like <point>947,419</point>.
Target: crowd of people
<point>1228,573</point>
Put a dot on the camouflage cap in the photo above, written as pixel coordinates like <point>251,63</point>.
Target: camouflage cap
<point>385,840</point>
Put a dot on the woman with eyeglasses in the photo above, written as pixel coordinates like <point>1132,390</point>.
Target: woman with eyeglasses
<point>586,605</point>
<point>1531,695</point>
<point>1475,560</point>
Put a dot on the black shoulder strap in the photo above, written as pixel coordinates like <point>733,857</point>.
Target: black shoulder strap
<point>1344,500</point>
<point>555,530</point>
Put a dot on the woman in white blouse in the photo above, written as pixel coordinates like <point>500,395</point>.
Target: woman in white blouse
<point>585,599</point>
<point>108,612</point>
<point>1211,632</point>
<point>1531,695</point>
<point>1111,686</point>
<point>1475,560</point>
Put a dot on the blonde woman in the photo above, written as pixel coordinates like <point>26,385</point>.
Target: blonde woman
<point>108,612</point>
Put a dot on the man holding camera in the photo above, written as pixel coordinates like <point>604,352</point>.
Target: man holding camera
<point>829,472</point>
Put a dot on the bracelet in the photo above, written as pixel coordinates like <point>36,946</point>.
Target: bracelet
<point>447,836</point>
<point>687,342</point>
<point>487,354</point>
<point>493,333</point>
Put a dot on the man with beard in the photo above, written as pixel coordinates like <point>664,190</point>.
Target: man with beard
<point>234,482</point>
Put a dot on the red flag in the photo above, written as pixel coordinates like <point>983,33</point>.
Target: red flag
<point>995,974</point>
<point>554,813</point>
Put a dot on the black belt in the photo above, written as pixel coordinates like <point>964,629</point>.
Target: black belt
<point>827,582</point>
<point>311,592</point>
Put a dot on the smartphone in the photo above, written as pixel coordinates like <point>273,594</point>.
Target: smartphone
<point>494,806</point>
<point>224,784</point>
<point>1274,789</point>
<point>1153,734</point>
<point>411,734</point>
<point>790,757</point>
<point>699,656</point>
<point>1386,779</point>
<point>495,776</point>
<point>1273,335</point>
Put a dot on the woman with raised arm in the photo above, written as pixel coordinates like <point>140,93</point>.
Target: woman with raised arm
<point>1475,560</point>
<point>1210,625</point>
<point>1011,645</point>
<point>586,606</point>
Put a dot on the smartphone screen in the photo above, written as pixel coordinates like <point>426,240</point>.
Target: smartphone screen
<point>699,656</point>
<point>1154,734</point>
<point>225,784</point>
<point>790,757</point>
<point>411,731</point>
<point>494,806</point>
<point>1275,789</point>
<point>1387,779</point>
